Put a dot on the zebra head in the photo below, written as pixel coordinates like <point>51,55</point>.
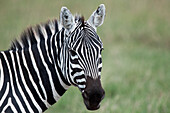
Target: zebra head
<point>84,52</point>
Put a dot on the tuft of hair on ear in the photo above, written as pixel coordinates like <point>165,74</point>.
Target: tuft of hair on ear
<point>82,21</point>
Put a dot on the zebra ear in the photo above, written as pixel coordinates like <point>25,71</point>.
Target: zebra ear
<point>97,18</point>
<point>66,19</point>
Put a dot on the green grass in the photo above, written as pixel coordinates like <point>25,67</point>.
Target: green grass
<point>136,58</point>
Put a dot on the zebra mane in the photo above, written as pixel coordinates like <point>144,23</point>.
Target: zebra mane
<point>31,34</point>
<point>82,21</point>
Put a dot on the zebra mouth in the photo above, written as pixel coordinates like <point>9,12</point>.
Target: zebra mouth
<point>93,94</point>
<point>91,107</point>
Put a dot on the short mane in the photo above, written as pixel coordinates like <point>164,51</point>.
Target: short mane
<point>79,18</point>
<point>31,34</point>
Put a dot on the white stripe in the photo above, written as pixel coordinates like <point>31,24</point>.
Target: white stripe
<point>46,38</point>
<point>99,73</point>
<point>60,40</point>
<point>61,82</point>
<point>19,87</point>
<point>26,87</point>
<point>9,104</point>
<point>74,57</point>
<point>52,27</point>
<point>55,94</point>
<point>61,59</point>
<point>81,80</point>
<point>1,75</point>
<point>82,63</point>
<point>75,66</point>
<point>32,81</point>
<point>5,94</point>
<point>38,73</point>
<point>12,106</point>
<point>12,85</point>
<point>78,74</point>
<point>21,44</point>
<point>81,86</point>
<point>100,65</point>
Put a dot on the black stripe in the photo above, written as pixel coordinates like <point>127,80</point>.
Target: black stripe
<point>31,87</point>
<point>17,107</point>
<point>49,47</point>
<point>16,45</point>
<point>9,110</point>
<point>75,61</point>
<point>56,26</point>
<point>22,85</point>
<point>75,70</point>
<point>43,73</point>
<point>6,75</point>
<point>57,57</point>
<point>55,79</point>
<point>49,33</point>
<point>40,34</point>
<point>24,40</point>
<point>14,82</point>
<point>6,79</point>
<point>5,102</point>
<point>100,69</point>
<point>71,81</point>
<point>32,37</point>
<point>33,72</point>
<point>17,90</point>
<point>50,98</point>
<point>80,77</point>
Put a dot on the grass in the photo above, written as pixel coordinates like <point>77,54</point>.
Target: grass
<point>136,58</point>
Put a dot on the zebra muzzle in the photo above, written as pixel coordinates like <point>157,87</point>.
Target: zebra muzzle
<point>93,94</point>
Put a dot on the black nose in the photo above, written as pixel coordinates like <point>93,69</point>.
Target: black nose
<point>95,96</point>
<point>92,99</point>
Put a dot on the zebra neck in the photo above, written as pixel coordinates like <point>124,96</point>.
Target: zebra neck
<point>35,79</point>
<point>65,60</point>
<point>60,55</point>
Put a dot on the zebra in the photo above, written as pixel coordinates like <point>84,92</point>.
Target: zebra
<point>49,58</point>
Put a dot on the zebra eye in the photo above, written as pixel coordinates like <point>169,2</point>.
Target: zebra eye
<point>72,52</point>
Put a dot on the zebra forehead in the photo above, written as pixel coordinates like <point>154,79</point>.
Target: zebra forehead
<point>88,42</point>
<point>84,35</point>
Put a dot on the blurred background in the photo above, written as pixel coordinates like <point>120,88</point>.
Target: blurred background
<point>136,56</point>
